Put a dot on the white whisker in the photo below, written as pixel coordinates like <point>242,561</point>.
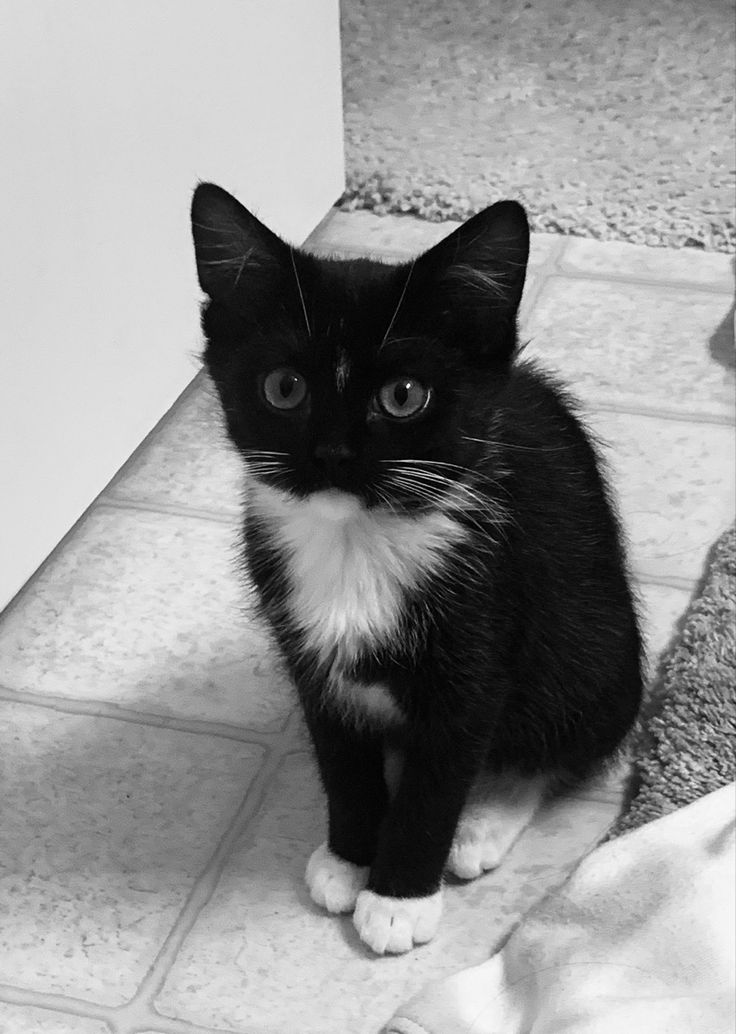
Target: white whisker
<point>299,288</point>
<point>446,493</point>
<point>517,448</point>
<point>398,306</point>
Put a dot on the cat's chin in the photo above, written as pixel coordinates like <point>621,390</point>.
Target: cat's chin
<point>334,504</point>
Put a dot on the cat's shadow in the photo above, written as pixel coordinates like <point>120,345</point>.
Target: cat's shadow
<point>721,344</point>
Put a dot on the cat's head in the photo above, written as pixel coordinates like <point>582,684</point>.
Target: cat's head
<point>372,379</point>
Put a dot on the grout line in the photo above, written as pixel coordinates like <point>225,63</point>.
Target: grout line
<point>632,409</point>
<point>540,277</point>
<point>174,509</point>
<point>667,581</point>
<point>137,1017</point>
<point>58,1002</point>
<point>556,253</point>
<point>121,1019</point>
<point>103,709</point>
<point>168,1025</point>
<point>205,886</point>
<point>675,283</point>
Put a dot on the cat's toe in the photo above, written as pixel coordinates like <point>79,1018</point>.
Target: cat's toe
<point>466,860</point>
<point>470,858</point>
<point>333,883</point>
<point>395,925</point>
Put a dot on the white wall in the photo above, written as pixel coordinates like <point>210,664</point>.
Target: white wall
<point>110,111</point>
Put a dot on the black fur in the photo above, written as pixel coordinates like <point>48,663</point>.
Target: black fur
<point>525,652</point>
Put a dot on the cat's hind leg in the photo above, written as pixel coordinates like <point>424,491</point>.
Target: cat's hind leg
<point>497,811</point>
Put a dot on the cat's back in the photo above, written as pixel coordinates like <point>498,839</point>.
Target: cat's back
<point>554,458</point>
<point>564,552</point>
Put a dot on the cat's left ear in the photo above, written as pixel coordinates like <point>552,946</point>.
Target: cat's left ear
<point>478,275</point>
<point>239,260</point>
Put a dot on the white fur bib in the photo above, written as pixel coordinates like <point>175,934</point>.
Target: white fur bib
<point>349,567</point>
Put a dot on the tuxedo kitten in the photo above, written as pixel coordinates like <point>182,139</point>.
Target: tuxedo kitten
<point>432,546</point>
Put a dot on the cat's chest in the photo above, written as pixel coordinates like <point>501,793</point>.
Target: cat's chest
<point>350,569</point>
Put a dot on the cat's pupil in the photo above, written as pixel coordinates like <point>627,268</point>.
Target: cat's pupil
<point>401,393</point>
<point>287,384</point>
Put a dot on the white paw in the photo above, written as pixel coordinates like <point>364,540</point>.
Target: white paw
<point>498,810</point>
<point>471,856</point>
<point>334,883</point>
<point>395,925</point>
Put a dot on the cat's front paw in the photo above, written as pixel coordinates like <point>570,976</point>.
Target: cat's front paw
<point>395,925</point>
<point>334,883</point>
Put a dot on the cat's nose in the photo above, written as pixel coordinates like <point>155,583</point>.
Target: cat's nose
<point>334,460</point>
<point>333,457</point>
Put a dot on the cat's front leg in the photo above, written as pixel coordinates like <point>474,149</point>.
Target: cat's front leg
<point>402,903</point>
<point>350,763</point>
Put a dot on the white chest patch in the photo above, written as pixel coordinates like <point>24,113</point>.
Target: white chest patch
<point>350,567</point>
<point>372,703</point>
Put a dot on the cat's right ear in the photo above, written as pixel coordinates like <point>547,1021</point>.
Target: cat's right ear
<point>238,258</point>
<point>476,277</point>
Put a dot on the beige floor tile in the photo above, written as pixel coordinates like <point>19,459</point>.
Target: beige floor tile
<point>147,611</point>
<point>261,957</point>
<point>636,344</point>
<point>188,463</point>
<point>675,483</point>
<point>526,307</point>
<point>365,233</point>
<point>637,262</point>
<point>397,236</point>
<point>25,1019</point>
<point>105,826</point>
<point>661,609</point>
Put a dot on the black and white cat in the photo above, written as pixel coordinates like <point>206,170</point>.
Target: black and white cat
<point>432,545</point>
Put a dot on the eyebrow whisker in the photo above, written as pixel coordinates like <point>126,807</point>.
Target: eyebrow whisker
<point>398,306</point>
<point>299,288</point>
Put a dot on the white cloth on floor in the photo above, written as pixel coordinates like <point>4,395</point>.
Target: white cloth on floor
<point>640,940</point>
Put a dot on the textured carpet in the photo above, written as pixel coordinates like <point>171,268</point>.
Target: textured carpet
<point>686,746</point>
<point>608,118</point>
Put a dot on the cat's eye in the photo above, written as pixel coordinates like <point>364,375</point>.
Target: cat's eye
<point>284,388</point>
<point>403,397</point>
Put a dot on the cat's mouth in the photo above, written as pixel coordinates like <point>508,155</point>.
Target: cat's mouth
<point>335,504</point>
<point>342,501</point>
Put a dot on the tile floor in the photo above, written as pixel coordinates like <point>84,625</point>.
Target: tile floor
<point>158,799</point>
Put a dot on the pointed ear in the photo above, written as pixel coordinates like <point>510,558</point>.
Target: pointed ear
<point>478,273</point>
<point>236,254</point>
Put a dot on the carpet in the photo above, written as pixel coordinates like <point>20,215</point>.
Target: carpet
<point>685,747</point>
<point>611,120</point>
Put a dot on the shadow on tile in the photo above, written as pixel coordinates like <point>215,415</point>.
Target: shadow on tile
<point>106,826</point>
<point>721,344</point>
